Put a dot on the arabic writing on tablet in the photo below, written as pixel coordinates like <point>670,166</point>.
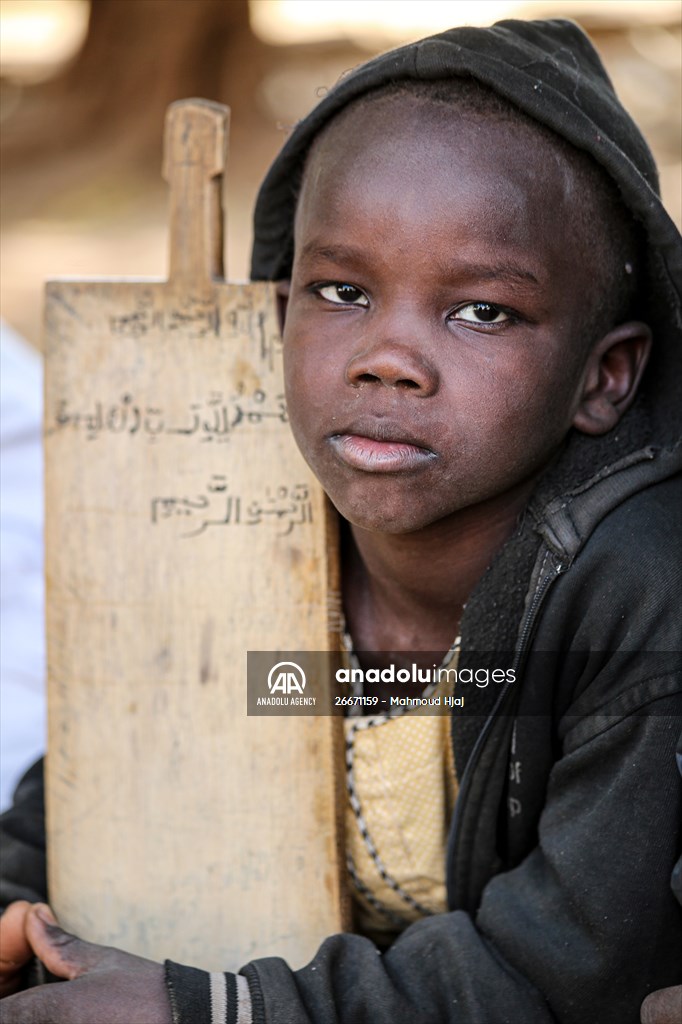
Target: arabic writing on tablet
<point>283,507</point>
<point>196,317</point>
<point>212,419</point>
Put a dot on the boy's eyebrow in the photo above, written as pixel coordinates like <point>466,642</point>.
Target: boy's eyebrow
<point>335,253</point>
<point>506,271</point>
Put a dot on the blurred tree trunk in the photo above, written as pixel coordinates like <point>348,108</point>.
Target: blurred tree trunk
<point>137,58</point>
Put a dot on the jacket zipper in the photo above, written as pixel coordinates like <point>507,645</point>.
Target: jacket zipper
<point>530,617</point>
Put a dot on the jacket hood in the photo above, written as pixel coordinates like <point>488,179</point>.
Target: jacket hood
<point>551,71</point>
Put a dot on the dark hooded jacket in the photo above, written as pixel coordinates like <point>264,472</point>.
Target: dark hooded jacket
<point>567,822</point>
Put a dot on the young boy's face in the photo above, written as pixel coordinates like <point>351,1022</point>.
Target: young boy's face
<point>433,354</point>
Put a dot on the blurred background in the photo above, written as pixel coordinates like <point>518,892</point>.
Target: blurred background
<point>84,85</point>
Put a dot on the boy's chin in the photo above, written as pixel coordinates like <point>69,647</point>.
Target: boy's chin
<point>384,520</point>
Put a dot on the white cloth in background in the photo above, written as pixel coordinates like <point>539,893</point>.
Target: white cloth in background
<point>22,643</point>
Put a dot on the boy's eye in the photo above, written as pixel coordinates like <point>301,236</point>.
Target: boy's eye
<point>342,294</point>
<point>480,313</point>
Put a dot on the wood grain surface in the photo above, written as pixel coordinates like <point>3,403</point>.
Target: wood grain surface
<point>183,530</point>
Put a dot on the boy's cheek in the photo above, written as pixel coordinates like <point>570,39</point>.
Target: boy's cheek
<point>492,422</point>
<point>314,376</point>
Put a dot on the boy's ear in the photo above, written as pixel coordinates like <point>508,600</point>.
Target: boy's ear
<point>283,289</point>
<point>613,371</point>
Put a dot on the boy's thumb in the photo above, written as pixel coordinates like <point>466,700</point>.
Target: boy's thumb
<point>44,913</point>
<point>63,954</point>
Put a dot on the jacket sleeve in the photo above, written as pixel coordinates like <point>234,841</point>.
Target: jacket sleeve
<point>22,842</point>
<point>580,931</point>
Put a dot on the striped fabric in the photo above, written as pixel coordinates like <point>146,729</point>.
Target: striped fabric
<point>203,997</point>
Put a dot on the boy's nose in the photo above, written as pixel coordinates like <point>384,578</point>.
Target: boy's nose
<point>393,365</point>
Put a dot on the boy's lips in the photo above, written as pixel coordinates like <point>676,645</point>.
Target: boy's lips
<point>379,448</point>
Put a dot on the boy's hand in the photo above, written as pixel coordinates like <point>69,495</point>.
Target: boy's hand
<point>104,985</point>
<point>15,951</point>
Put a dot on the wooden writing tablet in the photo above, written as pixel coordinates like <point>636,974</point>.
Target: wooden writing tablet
<point>183,530</point>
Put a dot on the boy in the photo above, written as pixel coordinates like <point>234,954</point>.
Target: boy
<point>471,305</point>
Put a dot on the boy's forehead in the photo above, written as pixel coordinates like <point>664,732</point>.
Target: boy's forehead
<point>396,153</point>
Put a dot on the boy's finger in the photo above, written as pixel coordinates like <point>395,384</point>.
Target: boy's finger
<point>64,955</point>
<point>663,1007</point>
<point>15,950</point>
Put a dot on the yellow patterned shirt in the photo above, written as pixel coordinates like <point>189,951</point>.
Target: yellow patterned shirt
<point>401,793</point>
